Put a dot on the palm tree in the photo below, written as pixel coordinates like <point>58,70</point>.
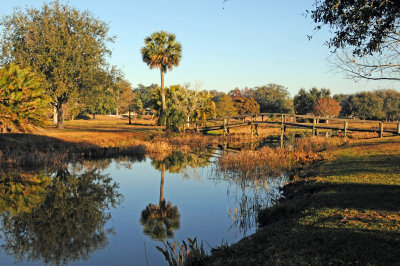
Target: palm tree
<point>163,52</point>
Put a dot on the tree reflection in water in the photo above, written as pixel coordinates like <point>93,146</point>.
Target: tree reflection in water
<point>161,220</point>
<point>66,224</point>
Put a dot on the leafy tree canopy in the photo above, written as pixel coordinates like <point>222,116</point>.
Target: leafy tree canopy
<point>380,104</point>
<point>273,98</point>
<point>327,107</point>
<point>226,107</point>
<point>367,35</point>
<point>63,44</point>
<point>304,101</point>
<point>361,24</point>
<point>144,94</point>
<point>246,105</point>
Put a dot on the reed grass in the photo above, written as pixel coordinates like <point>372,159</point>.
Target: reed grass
<point>275,161</point>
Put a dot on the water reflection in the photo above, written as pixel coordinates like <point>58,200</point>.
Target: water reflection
<point>60,216</point>
<point>56,217</point>
<point>160,220</point>
<point>250,193</point>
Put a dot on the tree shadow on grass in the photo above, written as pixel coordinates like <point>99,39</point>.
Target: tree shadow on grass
<point>291,244</point>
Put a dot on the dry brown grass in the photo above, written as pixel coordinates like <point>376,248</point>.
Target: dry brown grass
<point>319,143</point>
<point>274,161</point>
<point>30,150</point>
<point>270,161</point>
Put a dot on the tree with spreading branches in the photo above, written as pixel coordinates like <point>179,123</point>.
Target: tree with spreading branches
<point>66,46</point>
<point>366,36</point>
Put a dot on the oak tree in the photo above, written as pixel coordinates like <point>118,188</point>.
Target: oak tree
<point>63,44</point>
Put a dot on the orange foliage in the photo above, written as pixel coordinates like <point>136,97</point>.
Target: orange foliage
<point>327,107</point>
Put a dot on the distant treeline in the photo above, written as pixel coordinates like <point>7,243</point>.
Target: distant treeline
<point>383,104</point>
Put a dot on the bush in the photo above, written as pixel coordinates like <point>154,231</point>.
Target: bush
<point>23,103</point>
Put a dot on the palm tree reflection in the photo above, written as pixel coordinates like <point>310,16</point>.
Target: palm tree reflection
<point>160,220</point>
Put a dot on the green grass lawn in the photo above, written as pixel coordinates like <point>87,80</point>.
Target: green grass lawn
<point>345,212</point>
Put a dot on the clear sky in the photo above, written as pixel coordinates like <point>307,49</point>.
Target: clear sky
<point>225,45</point>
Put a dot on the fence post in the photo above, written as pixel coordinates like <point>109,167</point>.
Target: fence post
<point>313,126</point>
<point>251,126</point>
<point>346,124</point>
<point>224,129</point>
<point>257,130</point>
<point>380,129</point>
<point>398,128</point>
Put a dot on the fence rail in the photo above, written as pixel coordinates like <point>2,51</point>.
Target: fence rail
<point>290,120</point>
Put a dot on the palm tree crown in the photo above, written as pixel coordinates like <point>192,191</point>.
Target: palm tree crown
<point>162,51</point>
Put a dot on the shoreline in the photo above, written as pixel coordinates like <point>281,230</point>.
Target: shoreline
<point>345,210</point>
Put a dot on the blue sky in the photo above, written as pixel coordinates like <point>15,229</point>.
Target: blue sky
<point>225,45</point>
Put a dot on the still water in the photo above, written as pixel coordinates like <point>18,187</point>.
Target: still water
<point>114,212</point>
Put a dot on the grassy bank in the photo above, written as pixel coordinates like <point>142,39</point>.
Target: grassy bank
<point>346,211</point>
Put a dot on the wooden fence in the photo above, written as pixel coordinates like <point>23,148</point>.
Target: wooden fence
<point>293,121</point>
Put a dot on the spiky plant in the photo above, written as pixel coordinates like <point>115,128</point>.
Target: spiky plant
<point>162,51</point>
<point>23,103</point>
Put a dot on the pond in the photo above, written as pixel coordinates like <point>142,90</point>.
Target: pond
<point>114,212</point>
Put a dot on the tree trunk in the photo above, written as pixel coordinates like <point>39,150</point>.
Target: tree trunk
<point>116,111</point>
<point>60,115</point>
<point>164,105</point>
<point>55,115</point>
<point>94,116</point>
<point>162,183</point>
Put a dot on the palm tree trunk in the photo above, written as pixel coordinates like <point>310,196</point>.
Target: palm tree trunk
<point>162,183</point>
<point>164,105</point>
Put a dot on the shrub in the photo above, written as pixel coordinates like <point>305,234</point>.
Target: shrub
<point>23,103</point>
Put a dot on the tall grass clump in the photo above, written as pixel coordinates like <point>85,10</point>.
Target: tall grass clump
<point>187,253</point>
<point>266,161</point>
<point>277,161</point>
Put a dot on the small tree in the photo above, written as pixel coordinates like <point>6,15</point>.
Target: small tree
<point>246,105</point>
<point>23,103</point>
<point>304,101</point>
<point>137,106</point>
<point>123,95</point>
<point>273,98</point>
<point>327,107</point>
<point>226,107</point>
